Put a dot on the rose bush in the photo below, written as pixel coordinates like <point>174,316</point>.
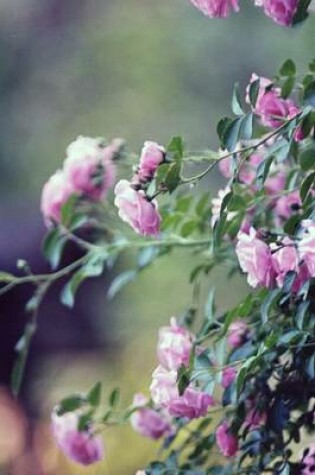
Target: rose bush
<point>252,365</point>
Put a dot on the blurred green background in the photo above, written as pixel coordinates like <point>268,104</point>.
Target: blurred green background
<point>138,69</point>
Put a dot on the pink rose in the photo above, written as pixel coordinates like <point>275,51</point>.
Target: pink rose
<point>55,194</point>
<point>216,8</point>
<point>147,421</point>
<point>89,166</point>
<point>275,182</point>
<point>192,404</point>
<point>306,246</point>
<point>152,155</point>
<point>136,210</point>
<point>288,204</point>
<point>281,11</point>
<point>272,108</point>
<point>228,376</point>
<point>237,333</point>
<point>226,441</point>
<point>308,460</point>
<point>255,259</point>
<point>82,447</point>
<point>174,346</point>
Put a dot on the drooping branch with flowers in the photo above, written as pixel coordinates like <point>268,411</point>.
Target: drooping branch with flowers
<point>253,365</point>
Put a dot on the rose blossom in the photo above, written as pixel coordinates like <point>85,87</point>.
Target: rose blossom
<point>263,84</point>
<point>152,155</point>
<point>255,259</point>
<point>281,11</point>
<point>136,210</point>
<point>174,346</point>
<point>288,204</point>
<point>147,421</point>
<point>272,108</point>
<point>216,8</point>
<point>237,333</point>
<point>192,404</point>
<point>227,442</point>
<point>306,246</point>
<point>89,166</point>
<point>228,376</point>
<point>83,447</point>
<point>55,194</point>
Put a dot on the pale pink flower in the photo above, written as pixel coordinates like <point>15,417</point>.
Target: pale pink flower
<point>174,346</point>
<point>281,11</point>
<point>287,205</point>
<point>136,210</point>
<point>237,333</point>
<point>89,166</point>
<point>306,246</point>
<point>55,194</point>
<point>216,8</point>
<point>263,84</point>
<point>226,441</point>
<point>255,259</point>
<point>272,109</point>
<point>192,404</point>
<point>147,421</point>
<point>152,155</point>
<point>82,447</point>
<point>228,377</point>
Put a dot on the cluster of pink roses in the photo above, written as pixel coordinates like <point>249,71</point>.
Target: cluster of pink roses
<point>267,265</point>
<point>81,446</point>
<point>134,206</point>
<point>88,171</point>
<point>174,347</point>
<point>281,11</point>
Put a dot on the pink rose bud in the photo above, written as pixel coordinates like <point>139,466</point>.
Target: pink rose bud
<point>228,377</point>
<point>307,462</point>
<point>287,205</point>
<point>281,11</point>
<point>192,404</point>
<point>136,210</point>
<point>255,259</point>
<point>82,447</point>
<point>306,246</point>
<point>147,421</point>
<point>55,194</point>
<point>237,333</point>
<point>216,8</point>
<point>226,441</point>
<point>89,166</point>
<point>174,346</point>
<point>152,155</point>
<point>285,258</point>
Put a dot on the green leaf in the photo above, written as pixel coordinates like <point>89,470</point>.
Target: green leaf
<point>71,403</point>
<point>287,87</point>
<point>236,101</point>
<point>307,159</point>
<point>311,66</point>
<point>231,134</point>
<point>307,185</point>
<point>67,210</point>
<point>254,91</point>
<point>188,228</point>
<point>120,281</point>
<point>176,148</point>
<point>288,68</point>
<point>269,304</point>
<point>94,396</point>
<point>222,126</point>
<point>22,348</point>
<point>146,256</point>
<point>263,171</point>
<point>246,127</point>
<point>309,94</point>
<point>53,246</point>
<point>183,379</point>
<point>301,13</point>
<point>210,307</point>
<point>114,397</point>
<point>172,178</point>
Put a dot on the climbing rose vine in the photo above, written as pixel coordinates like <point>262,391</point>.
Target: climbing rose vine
<point>238,382</point>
